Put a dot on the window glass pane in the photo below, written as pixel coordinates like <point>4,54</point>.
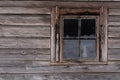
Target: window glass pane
<point>70,27</point>
<point>87,49</point>
<point>70,40</point>
<point>87,28</point>
<point>70,49</point>
<point>87,39</point>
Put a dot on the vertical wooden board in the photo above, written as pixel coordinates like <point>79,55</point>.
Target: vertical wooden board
<point>23,31</point>
<point>25,19</point>
<point>24,43</point>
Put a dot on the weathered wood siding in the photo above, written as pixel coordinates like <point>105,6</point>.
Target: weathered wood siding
<point>114,34</point>
<point>25,34</point>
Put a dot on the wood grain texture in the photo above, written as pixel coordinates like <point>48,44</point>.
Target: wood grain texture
<point>114,11</point>
<point>62,69</point>
<point>24,20</point>
<point>24,43</point>
<point>24,10</point>
<point>114,54</point>
<point>24,57</point>
<point>23,31</point>
<point>59,3</point>
<point>15,51</point>
<point>114,43</point>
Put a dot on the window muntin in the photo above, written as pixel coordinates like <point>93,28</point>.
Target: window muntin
<point>79,38</point>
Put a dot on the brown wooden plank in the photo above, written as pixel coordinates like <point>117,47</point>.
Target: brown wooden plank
<point>24,10</point>
<point>14,31</point>
<point>24,20</point>
<point>24,43</point>
<point>114,43</point>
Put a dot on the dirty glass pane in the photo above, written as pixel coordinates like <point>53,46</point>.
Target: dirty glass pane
<point>70,28</point>
<point>87,49</point>
<point>70,49</point>
<point>70,40</point>
<point>87,28</point>
<point>87,39</point>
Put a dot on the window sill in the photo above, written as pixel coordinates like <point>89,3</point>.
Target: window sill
<point>77,63</point>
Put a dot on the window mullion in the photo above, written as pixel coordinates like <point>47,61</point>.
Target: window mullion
<point>79,33</point>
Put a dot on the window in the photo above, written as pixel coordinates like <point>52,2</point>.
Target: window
<point>79,36</point>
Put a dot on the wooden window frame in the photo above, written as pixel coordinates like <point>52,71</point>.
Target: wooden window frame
<point>97,36</point>
<point>56,56</point>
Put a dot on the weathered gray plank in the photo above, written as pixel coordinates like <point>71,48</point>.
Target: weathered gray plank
<point>114,11</point>
<point>62,69</point>
<point>114,31</point>
<point>24,43</point>
<point>54,3</point>
<point>63,76</point>
<point>24,57</point>
<point>114,18</point>
<point>23,63</point>
<point>114,54</point>
<point>24,31</point>
<point>114,23</point>
<point>114,34</point>
<point>24,51</point>
<point>24,10</point>
<point>114,28</point>
<point>24,19</point>
<point>113,43</point>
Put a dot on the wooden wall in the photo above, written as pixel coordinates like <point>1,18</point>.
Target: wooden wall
<point>25,28</point>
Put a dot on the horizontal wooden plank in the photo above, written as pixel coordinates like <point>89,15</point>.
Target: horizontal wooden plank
<point>114,18</point>
<point>114,54</point>
<point>24,57</point>
<point>62,69</point>
<point>62,76</point>
<point>113,43</point>
<point>114,28</point>
<point>114,11</point>
<point>24,19</point>
<point>24,43</point>
<point>113,23</point>
<point>23,63</point>
<point>114,34</point>
<point>24,51</point>
<point>59,3</point>
<point>24,10</point>
<point>14,31</point>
